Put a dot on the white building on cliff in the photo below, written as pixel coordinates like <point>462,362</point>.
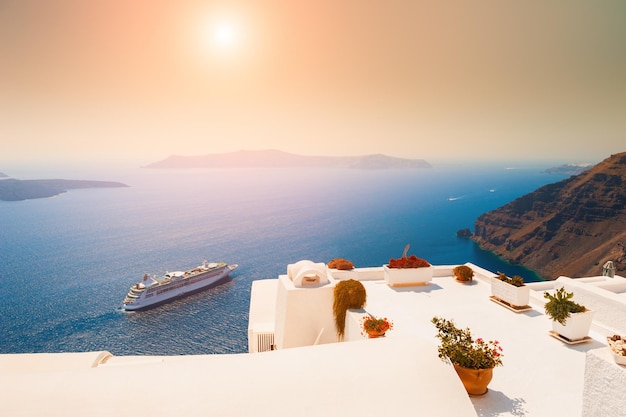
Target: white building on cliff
<point>296,366</point>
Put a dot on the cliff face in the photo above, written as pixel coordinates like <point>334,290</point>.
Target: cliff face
<point>568,228</point>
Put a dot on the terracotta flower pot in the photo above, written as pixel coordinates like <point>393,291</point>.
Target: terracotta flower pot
<point>475,381</point>
<point>372,334</point>
<point>463,274</point>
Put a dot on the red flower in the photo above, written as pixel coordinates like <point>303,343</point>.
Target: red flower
<point>379,325</point>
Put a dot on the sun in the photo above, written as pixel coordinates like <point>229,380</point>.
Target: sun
<point>220,37</point>
<point>224,34</point>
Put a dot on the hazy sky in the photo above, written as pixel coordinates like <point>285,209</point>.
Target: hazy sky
<point>124,79</point>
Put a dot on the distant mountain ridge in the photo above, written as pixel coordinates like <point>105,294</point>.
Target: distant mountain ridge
<point>568,228</point>
<point>280,159</point>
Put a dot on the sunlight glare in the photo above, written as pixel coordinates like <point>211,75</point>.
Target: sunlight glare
<point>221,38</point>
<point>224,34</point>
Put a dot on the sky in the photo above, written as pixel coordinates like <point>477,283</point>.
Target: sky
<point>96,80</point>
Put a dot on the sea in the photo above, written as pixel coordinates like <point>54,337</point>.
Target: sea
<point>66,262</point>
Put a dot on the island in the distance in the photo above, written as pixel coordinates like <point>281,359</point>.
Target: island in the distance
<point>12,189</point>
<point>280,159</point>
<point>569,169</point>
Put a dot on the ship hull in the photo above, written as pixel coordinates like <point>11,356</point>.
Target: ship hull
<point>160,295</point>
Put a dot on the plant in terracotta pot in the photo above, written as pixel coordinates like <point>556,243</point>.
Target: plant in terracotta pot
<point>340,264</point>
<point>570,320</point>
<point>375,327</point>
<point>340,268</point>
<point>348,294</point>
<point>407,270</point>
<point>463,273</point>
<point>473,359</point>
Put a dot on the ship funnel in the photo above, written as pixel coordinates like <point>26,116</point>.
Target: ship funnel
<point>608,269</point>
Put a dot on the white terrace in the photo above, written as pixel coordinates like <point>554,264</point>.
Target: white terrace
<point>311,374</point>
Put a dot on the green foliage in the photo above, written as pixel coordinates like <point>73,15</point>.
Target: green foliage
<point>560,305</point>
<point>347,294</point>
<point>516,280</point>
<point>463,273</point>
<point>460,348</point>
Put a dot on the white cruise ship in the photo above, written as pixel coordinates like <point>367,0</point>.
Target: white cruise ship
<point>153,290</point>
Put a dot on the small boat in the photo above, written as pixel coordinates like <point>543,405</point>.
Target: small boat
<point>153,290</point>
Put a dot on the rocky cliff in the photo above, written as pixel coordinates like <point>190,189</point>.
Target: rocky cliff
<point>568,228</point>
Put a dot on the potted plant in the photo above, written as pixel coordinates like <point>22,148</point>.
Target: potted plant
<point>340,268</point>
<point>463,273</point>
<point>473,359</point>
<point>407,270</point>
<point>570,320</point>
<point>347,294</point>
<point>617,344</point>
<point>374,326</point>
<point>511,291</point>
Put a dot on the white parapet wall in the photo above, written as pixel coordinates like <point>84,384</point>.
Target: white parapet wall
<point>49,362</point>
<point>603,394</point>
<point>304,315</point>
<point>603,296</point>
<point>262,315</point>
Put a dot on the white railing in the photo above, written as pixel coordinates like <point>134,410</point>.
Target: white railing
<point>263,342</point>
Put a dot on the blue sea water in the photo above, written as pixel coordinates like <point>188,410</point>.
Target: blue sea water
<point>68,261</point>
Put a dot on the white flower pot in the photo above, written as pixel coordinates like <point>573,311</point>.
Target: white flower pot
<point>515,296</point>
<point>576,326</point>
<point>616,349</point>
<point>407,276</point>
